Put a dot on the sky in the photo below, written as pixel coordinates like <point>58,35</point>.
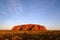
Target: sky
<point>43,12</point>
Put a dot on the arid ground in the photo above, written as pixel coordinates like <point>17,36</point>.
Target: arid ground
<point>29,35</point>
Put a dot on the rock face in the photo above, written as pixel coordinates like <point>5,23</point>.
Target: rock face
<point>29,27</point>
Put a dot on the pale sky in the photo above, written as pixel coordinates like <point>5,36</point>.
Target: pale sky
<point>44,12</point>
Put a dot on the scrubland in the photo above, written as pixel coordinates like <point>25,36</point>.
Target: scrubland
<point>29,35</point>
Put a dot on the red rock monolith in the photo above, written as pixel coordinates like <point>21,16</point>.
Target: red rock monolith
<point>30,27</point>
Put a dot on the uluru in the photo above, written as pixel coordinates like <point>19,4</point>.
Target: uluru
<point>29,27</point>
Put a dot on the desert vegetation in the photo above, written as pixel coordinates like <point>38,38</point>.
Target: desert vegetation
<point>29,35</point>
